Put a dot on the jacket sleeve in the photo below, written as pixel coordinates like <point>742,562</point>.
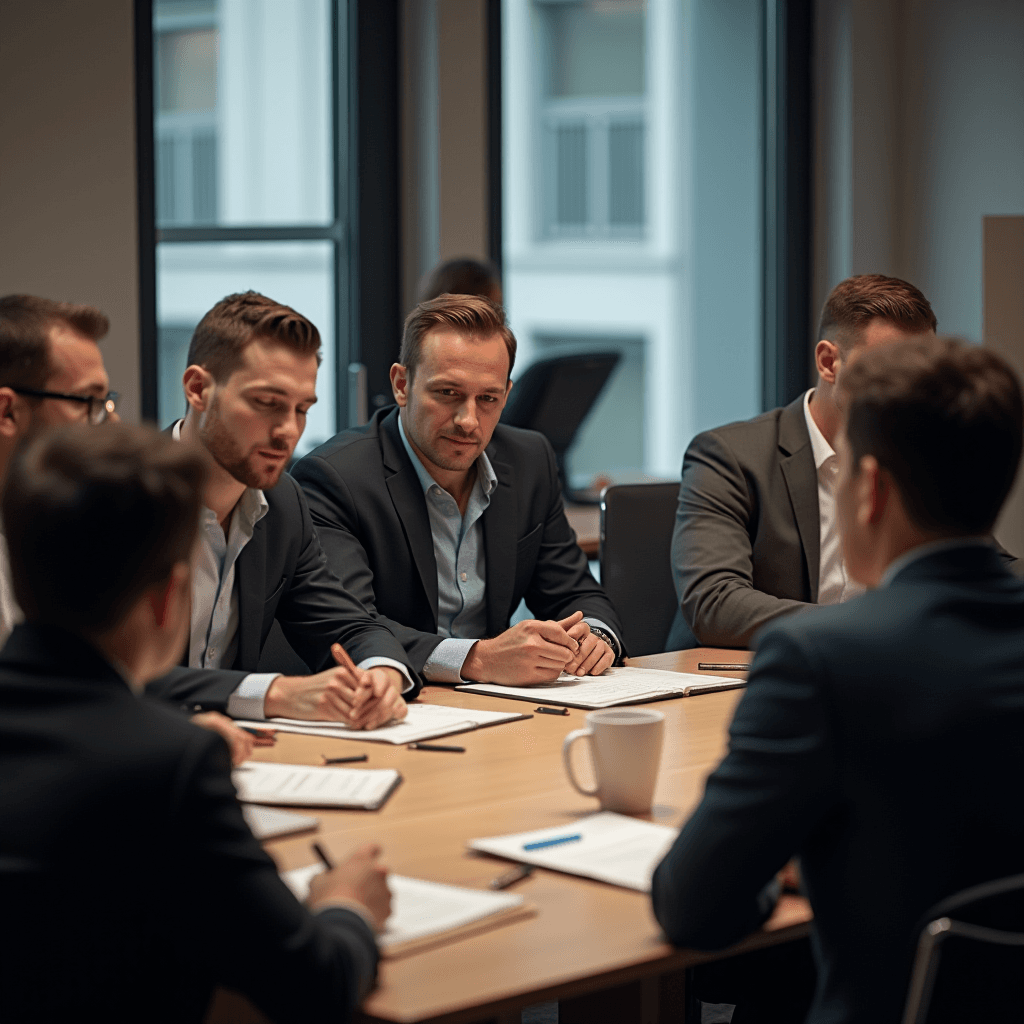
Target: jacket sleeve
<point>247,926</point>
<point>334,513</point>
<point>775,784</point>
<point>203,689</point>
<point>712,553</point>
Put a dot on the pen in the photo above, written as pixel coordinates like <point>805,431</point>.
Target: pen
<point>343,760</point>
<point>711,666</point>
<point>437,746</point>
<point>263,734</point>
<point>503,881</point>
<point>322,854</point>
<point>552,711</point>
<point>552,842</point>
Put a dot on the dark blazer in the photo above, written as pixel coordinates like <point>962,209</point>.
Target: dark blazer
<point>130,882</point>
<point>282,574</point>
<point>746,543</point>
<point>881,742</point>
<point>368,506</point>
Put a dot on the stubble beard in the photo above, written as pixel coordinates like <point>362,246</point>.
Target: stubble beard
<point>227,453</point>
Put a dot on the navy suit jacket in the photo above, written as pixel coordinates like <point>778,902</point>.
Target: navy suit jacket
<point>881,741</point>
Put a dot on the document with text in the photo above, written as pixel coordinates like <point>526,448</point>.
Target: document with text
<point>299,785</point>
<point>269,823</point>
<point>424,913</point>
<point>424,722</point>
<point>609,847</point>
<point>619,685</point>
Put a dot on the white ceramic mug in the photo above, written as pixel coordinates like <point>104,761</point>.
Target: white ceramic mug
<point>626,748</point>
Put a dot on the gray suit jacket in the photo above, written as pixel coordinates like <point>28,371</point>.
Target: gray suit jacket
<point>746,544</point>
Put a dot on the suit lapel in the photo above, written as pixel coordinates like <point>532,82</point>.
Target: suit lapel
<point>407,496</point>
<point>500,533</point>
<point>802,482</point>
<point>251,581</point>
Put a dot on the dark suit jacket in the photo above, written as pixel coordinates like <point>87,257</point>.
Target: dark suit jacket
<point>881,741</point>
<point>282,574</point>
<point>130,882</point>
<point>368,506</point>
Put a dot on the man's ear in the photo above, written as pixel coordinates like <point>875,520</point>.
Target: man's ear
<point>164,598</point>
<point>874,492</point>
<point>199,387</point>
<point>13,414</point>
<point>400,384</point>
<point>827,359</point>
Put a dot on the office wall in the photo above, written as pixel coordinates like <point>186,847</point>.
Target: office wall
<point>67,166</point>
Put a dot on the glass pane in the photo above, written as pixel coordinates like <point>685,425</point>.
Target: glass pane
<point>626,175</point>
<point>191,278</point>
<point>571,172</point>
<point>597,48</point>
<point>243,121</point>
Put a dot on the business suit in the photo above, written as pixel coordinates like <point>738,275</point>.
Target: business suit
<point>282,574</point>
<point>368,506</point>
<point>880,741</point>
<point>130,882</point>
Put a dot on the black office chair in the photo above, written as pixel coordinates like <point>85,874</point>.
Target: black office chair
<point>555,395</point>
<point>636,538</point>
<point>982,957</point>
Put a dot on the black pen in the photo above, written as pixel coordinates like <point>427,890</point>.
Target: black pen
<point>437,746</point>
<point>710,666</point>
<point>322,854</point>
<point>264,734</point>
<point>343,760</point>
<point>503,881</point>
<point>552,711</point>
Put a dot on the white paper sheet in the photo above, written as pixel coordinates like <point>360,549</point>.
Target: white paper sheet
<point>298,785</point>
<point>424,722</point>
<point>420,908</point>
<point>613,848</point>
<point>267,823</point>
<point>619,685</point>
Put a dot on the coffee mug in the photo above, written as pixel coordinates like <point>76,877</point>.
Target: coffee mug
<point>626,748</point>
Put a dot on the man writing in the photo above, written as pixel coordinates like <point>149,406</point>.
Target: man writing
<point>879,740</point>
<point>250,381</point>
<point>125,864</point>
<point>442,520</point>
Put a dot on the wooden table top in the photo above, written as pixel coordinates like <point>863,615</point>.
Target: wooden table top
<point>511,779</point>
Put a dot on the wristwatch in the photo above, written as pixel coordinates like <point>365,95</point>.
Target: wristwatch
<point>607,638</point>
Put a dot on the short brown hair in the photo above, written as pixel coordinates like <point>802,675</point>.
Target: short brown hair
<point>461,276</point>
<point>228,329</point>
<point>25,325</point>
<point>853,303</point>
<point>945,418</point>
<point>95,517</point>
<point>471,315</point>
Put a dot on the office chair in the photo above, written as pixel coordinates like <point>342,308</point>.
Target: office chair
<point>636,537</point>
<point>554,396</point>
<point>984,978</point>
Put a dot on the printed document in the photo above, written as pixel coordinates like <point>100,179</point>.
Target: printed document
<point>618,685</point>
<point>269,823</point>
<point>611,848</point>
<point>424,722</point>
<point>299,785</point>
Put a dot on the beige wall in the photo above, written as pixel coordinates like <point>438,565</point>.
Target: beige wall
<point>67,166</point>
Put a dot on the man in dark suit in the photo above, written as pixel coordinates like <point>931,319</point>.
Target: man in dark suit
<point>755,533</point>
<point>880,740</point>
<point>442,520</point>
<point>250,381</point>
<point>129,880</point>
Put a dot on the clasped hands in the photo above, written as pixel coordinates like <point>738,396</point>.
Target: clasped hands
<point>535,651</point>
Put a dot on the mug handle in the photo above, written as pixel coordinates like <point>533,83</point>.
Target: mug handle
<point>576,734</point>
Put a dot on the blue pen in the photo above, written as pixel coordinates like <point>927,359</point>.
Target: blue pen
<point>552,842</point>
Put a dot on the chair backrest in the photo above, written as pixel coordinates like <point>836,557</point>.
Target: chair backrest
<point>636,539</point>
<point>989,928</point>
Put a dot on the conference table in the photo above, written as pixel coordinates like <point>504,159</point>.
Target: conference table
<point>594,947</point>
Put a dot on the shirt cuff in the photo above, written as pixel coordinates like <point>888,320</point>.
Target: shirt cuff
<point>607,629</point>
<point>446,660</point>
<point>247,701</point>
<point>368,663</point>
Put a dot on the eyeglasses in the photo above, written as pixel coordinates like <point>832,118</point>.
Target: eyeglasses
<point>99,408</point>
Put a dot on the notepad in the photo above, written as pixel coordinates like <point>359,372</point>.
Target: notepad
<point>424,722</point>
<point>424,914</point>
<point>619,685</point>
<point>263,782</point>
<point>268,823</point>
<point>612,848</point>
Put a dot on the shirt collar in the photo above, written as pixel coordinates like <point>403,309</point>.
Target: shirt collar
<point>252,505</point>
<point>485,472</point>
<point>823,451</point>
<point>897,565</point>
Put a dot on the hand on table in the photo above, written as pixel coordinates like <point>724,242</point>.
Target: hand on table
<point>240,743</point>
<point>530,652</point>
<point>361,879</point>
<point>594,654</point>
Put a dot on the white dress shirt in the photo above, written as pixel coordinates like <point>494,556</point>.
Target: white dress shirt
<point>10,612</point>
<point>834,583</point>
